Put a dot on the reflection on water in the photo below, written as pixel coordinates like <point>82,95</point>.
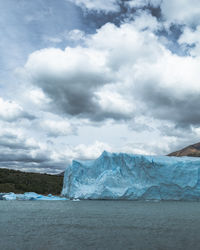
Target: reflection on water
<point>99,225</point>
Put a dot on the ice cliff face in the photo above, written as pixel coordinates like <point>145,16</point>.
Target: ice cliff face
<point>133,177</point>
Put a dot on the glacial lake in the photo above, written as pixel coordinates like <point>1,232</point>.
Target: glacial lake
<point>49,225</point>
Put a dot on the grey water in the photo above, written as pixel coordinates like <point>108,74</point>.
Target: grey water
<point>26,225</point>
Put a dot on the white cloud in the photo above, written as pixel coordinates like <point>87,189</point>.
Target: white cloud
<point>143,3</point>
<point>56,128</point>
<point>37,96</point>
<point>191,40</point>
<point>120,73</point>
<point>125,45</point>
<point>70,78</point>
<point>75,35</point>
<point>158,79</point>
<point>173,11</point>
<point>181,12</point>
<point>83,151</point>
<point>144,20</point>
<point>113,102</point>
<point>14,138</point>
<point>120,68</point>
<point>98,5</point>
<point>52,39</point>
<point>12,111</point>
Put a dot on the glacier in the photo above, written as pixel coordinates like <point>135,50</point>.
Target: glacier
<point>29,196</point>
<point>133,177</point>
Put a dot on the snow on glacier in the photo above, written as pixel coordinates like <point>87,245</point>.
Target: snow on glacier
<point>133,177</point>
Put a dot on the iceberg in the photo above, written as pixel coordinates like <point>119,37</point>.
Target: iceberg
<point>133,177</point>
<point>9,197</point>
<point>30,196</point>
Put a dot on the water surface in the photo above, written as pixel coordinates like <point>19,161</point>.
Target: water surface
<point>99,225</point>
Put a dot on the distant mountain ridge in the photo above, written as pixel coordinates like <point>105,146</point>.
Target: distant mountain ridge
<point>192,151</point>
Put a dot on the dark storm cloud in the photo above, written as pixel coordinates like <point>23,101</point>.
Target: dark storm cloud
<point>21,158</point>
<point>12,144</point>
<point>31,166</point>
<point>176,132</point>
<point>72,87</point>
<point>75,94</point>
<point>164,104</point>
<point>22,153</point>
<point>76,97</point>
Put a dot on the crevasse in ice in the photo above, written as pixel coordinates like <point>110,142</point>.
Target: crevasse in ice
<point>133,177</point>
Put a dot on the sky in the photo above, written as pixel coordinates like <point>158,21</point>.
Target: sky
<point>78,77</point>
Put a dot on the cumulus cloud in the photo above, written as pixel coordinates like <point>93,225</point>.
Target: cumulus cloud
<point>98,5</point>
<point>144,20</point>
<point>121,81</point>
<point>12,111</point>
<point>13,138</point>
<point>170,89</point>
<point>121,72</point>
<point>71,78</point>
<point>114,104</point>
<point>190,40</point>
<point>55,128</point>
<point>85,152</point>
<point>143,3</point>
<point>37,96</point>
<point>181,12</point>
<point>163,85</point>
<point>75,35</point>
<point>172,11</point>
<point>21,151</point>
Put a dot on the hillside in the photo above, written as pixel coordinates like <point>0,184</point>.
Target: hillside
<point>20,182</point>
<point>192,150</point>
